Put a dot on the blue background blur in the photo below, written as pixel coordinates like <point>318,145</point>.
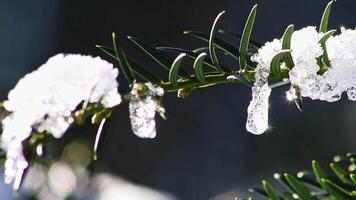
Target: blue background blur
<point>202,150</point>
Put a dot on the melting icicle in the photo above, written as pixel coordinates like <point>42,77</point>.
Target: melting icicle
<point>257,117</point>
<point>143,106</point>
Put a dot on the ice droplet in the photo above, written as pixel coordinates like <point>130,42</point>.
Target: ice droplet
<point>293,94</point>
<point>143,106</point>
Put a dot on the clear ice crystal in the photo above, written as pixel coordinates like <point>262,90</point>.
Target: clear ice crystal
<point>44,99</point>
<point>257,117</point>
<point>143,107</point>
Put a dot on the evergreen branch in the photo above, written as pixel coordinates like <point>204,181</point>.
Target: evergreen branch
<point>215,79</point>
<point>315,185</point>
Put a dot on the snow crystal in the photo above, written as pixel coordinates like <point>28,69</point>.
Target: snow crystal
<point>342,54</point>
<point>257,117</point>
<point>305,49</point>
<point>143,106</point>
<point>264,57</point>
<point>44,99</point>
<point>340,75</point>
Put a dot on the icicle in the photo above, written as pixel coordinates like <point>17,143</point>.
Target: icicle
<point>257,118</point>
<point>257,111</point>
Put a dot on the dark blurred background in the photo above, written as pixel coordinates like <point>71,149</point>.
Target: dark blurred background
<point>203,150</point>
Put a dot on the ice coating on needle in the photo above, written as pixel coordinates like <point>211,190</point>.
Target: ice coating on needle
<point>257,111</point>
<point>45,99</point>
<point>143,107</point>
